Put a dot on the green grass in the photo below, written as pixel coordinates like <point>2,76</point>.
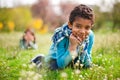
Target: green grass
<point>14,63</point>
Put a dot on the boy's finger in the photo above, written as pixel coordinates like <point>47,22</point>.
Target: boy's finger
<point>79,38</point>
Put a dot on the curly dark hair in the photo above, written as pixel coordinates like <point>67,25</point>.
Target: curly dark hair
<point>82,11</point>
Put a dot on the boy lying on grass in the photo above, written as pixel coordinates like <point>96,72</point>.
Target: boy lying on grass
<point>73,41</point>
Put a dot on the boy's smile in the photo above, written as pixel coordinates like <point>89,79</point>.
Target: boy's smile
<point>80,27</point>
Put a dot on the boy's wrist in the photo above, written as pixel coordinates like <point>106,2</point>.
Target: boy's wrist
<point>72,47</point>
<point>73,54</point>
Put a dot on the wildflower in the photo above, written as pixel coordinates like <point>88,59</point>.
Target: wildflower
<point>111,67</point>
<point>111,75</point>
<point>86,74</point>
<point>20,78</point>
<point>1,25</point>
<point>39,76</point>
<point>91,68</point>
<point>28,78</point>
<point>38,24</point>
<point>63,74</point>
<point>80,76</point>
<point>72,73</point>
<point>31,73</point>
<point>23,73</point>
<point>24,65</point>
<point>32,66</point>
<point>100,55</point>
<point>95,65</point>
<point>81,65</point>
<point>118,51</point>
<point>76,64</point>
<point>78,61</point>
<point>105,78</point>
<point>8,68</point>
<point>36,77</point>
<point>11,25</point>
<point>77,71</point>
<point>44,29</point>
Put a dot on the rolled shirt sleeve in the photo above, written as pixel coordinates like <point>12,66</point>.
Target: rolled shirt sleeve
<point>63,54</point>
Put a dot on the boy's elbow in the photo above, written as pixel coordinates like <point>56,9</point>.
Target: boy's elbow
<point>64,60</point>
<point>60,63</point>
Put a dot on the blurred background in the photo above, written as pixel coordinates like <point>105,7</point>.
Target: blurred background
<point>46,15</point>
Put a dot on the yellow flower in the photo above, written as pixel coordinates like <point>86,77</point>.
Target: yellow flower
<point>11,25</point>
<point>1,25</point>
<point>44,29</point>
<point>37,24</point>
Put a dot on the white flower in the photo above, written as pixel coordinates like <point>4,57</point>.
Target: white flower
<point>77,71</point>
<point>118,51</point>
<point>77,64</point>
<point>111,67</point>
<point>81,65</point>
<point>24,65</point>
<point>28,78</point>
<point>100,55</point>
<point>91,68</point>
<point>86,74</point>
<point>118,78</point>
<point>36,77</point>
<point>31,66</point>
<point>80,76</point>
<point>23,73</point>
<point>8,68</point>
<point>78,61</point>
<point>39,75</point>
<point>111,75</point>
<point>31,73</point>
<point>105,78</point>
<point>64,74</point>
<point>20,78</point>
<point>95,65</point>
<point>72,73</point>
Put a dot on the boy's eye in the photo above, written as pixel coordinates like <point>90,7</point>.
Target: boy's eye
<point>78,26</point>
<point>87,27</point>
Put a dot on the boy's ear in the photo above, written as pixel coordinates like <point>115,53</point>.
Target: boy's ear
<point>69,25</point>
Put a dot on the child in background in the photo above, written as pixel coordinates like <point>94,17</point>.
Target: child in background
<point>28,40</point>
<point>73,41</point>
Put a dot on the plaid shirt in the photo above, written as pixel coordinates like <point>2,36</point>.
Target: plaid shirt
<point>65,31</point>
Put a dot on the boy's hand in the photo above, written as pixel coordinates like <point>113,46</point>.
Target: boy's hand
<point>74,41</point>
<point>80,35</point>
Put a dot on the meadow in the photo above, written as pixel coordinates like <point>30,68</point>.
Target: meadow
<point>14,62</point>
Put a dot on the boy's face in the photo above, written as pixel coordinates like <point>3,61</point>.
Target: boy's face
<point>81,27</point>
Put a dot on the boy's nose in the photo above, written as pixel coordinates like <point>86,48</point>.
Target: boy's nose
<point>82,32</point>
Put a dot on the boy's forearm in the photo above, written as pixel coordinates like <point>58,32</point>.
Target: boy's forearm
<point>73,52</point>
<point>72,48</point>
